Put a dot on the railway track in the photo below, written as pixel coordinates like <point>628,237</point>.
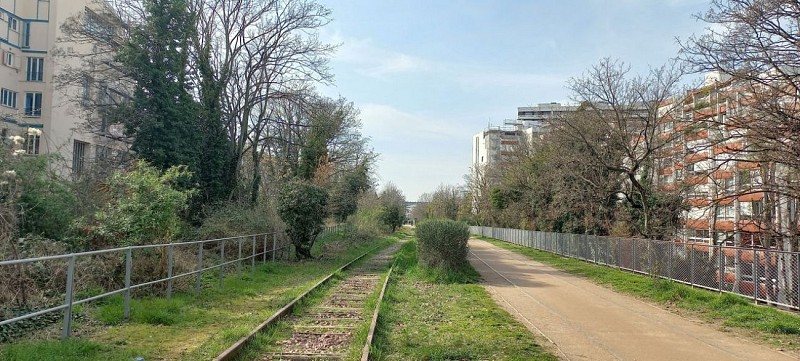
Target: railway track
<point>326,330</point>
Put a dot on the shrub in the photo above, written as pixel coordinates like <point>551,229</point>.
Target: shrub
<point>46,204</point>
<point>443,244</point>
<point>144,207</point>
<point>234,219</point>
<point>366,224</point>
<point>302,206</point>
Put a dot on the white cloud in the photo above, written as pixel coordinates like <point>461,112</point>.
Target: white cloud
<point>373,60</point>
<point>382,121</point>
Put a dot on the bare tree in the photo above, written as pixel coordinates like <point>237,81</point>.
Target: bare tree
<point>258,52</point>
<point>754,43</point>
<point>618,125</point>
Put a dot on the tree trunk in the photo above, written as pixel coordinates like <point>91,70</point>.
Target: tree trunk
<point>302,251</point>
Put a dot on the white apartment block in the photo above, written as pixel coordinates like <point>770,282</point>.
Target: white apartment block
<point>493,144</point>
<point>537,117</point>
<point>497,142</point>
<point>30,34</point>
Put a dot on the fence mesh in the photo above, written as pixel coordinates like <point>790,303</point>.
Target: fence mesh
<point>764,275</point>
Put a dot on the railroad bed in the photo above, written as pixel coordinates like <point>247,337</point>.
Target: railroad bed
<point>326,330</point>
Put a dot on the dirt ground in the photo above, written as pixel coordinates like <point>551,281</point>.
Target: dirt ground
<point>584,321</point>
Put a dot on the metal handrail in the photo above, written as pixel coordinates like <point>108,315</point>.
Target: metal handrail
<point>70,302</point>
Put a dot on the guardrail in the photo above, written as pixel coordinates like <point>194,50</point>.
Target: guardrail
<point>764,275</point>
<point>210,255</point>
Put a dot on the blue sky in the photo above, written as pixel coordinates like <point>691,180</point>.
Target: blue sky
<point>427,75</point>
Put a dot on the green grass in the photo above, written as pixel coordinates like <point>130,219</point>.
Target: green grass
<point>434,316</point>
<point>189,326</point>
<point>70,350</point>
<point>774,326</point>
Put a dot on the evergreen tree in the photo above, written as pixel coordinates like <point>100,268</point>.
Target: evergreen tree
<point>162,116</point>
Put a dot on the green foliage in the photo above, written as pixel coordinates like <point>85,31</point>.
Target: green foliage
<point>162,112</point>
<point>393,216</point>
<point>150,311</point>
<point>502,198</point>
<point>443,244</point>
<point>73,349</point>
<point>143,207</point>
<point>46,203</point>
<point>167,126</point>
<point>366,223</point>
<point>302,206</point>
<point>424,319</point>
<point>393,206</point>
<point>662,216</point>
<point>237,218</point>
<point>444,203</point>
<point>344,200</point>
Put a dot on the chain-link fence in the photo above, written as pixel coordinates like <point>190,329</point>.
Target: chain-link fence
<point>764,275</point>
<point>41,287</point>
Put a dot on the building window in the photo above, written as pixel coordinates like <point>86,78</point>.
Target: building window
<point>13,24</point>
<point>26,35</point>
<point>33,104</point>
<point>725,212</point>
<point>8,59</point>
<point>757,207</point>
<point>78,157</point>
<point>86,91</point>
<point>35,69</point>
<point>8,98</point>
<point>97,26</point>
<point>32,144</point>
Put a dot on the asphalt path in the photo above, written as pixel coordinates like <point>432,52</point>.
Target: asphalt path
<point>584,321</point>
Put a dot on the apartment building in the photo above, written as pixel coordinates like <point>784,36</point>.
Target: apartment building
<point>497,142</point>
<point>537,117</point>
<point>708,160</point>
<point>31,35</point>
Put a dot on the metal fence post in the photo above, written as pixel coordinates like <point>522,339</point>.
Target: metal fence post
<point>264,250</point>
<point>128,266</point>
<point>608,249</point>
<point>199,283</point>
<point>68,301</point>
<point>720,273</point>
<point>221,264</point>
<point>650,257</point>
<point>633,241</point>
<point>691,266</point>
<point>239,260</point>
<point>669,259</point>
<point>274,244</point>
<point>170,261</point>
<point>619,252</point>
<point>755,275</point>
<point>253,258</point>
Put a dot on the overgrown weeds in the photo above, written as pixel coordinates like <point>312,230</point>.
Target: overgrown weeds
<point>425,319</point>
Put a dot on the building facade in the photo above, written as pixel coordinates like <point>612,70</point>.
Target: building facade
<point>537,117</point>
<point>495,143</point>
<point>711,161</point>
<point>31,37</point>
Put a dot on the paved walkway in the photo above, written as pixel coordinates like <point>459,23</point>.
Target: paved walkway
<point>585,321</point>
